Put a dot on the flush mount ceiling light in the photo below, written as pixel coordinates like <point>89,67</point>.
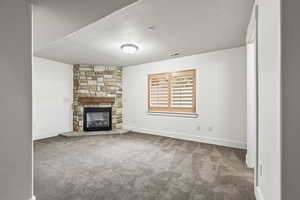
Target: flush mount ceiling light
<point>129,48</point>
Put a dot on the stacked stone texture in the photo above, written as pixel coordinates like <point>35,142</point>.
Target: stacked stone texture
<point>97,81</point>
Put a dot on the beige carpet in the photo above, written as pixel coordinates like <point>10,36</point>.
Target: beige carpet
<point>138,167</point>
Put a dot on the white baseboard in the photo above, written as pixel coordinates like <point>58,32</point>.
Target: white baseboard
<point>33,198</point>
<point>258,194</point>
<point>48,135</point>
<point>249,162</point>
<point>195,138</point>
<point>44,136</point>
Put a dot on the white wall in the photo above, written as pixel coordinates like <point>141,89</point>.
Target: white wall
<point>221,98</point>
<point>52,97</point>
<point>251,105</point>
<point>251,40</point>
<point>269,77</point>
<point>290,100</point>
<point>15,101</point>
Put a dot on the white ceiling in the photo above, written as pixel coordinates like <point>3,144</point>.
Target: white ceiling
<point>159,28</point>
<point>54,19</point>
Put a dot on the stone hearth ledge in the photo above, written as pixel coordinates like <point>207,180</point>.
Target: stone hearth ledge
<point>94,133</point>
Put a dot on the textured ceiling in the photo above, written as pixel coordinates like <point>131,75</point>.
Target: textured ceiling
<point>159,28</point>
<point>54,19</point>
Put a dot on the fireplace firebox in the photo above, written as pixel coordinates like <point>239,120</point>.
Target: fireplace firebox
<point>97,119</point>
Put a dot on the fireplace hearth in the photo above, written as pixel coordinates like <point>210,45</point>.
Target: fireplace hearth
<point>97,119</point>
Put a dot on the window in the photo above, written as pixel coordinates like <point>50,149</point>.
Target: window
<point>172,92</point>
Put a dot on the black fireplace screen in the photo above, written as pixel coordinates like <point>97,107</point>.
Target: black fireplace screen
<point>97,119</point>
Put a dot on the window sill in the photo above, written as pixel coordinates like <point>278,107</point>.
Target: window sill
<point>173,114</point>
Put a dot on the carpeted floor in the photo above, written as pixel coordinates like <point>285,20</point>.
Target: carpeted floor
<point>138,167</point>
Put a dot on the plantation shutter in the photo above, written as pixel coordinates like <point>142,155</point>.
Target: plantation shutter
<point>159,91</point>
<point>172,92</point>
<point>183,91</point>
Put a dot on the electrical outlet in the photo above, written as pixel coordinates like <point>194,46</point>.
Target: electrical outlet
<point>198,128</point>
<point>210,129</point>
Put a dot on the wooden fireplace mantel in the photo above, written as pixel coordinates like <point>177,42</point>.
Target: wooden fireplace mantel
<point>96,99</point>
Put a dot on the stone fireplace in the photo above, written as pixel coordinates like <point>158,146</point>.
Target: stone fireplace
<point>97,87</point>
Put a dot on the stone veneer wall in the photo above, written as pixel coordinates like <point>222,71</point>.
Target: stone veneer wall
<point>97,81</point>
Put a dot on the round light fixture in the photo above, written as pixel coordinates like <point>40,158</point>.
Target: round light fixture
<point>129,48</point>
